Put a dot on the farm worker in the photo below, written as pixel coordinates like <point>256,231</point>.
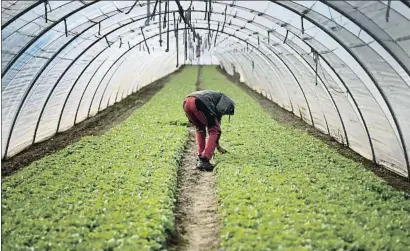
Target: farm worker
<point>204,109</point>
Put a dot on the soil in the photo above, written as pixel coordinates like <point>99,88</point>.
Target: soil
<point>197,222</point>
<point>96,125</point>
<point>287,118</point>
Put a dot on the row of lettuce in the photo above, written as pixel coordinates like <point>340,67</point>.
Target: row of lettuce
<point>115,191</point>
<point>281,188</point>
<point>278,188</point>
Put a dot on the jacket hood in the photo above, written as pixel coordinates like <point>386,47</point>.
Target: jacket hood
<point>226,106</point>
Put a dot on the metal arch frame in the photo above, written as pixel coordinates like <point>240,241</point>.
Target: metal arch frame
<point>122,94</point>
<point>102,96</point>
<point>14,121</point>
<point>58,80</point>
<point>229,57</point>
<point>26,93</point>
<point>313,92</point>
<point>362,119</point>
<point>212,29</point>
<point>356,105</point>
<point>344,85</point>
<point>106,86</point>
<point>96,90</point>
<point>77,35</point>
<point>85,89</point>
<point>72,88</point>
<point>132,88</point>
<point>292,72</point>
<point>407,3</point>
<point>336,108</point>
<point>330,95</point>
<point>391,110</point>
<point>294,77</point>
<point>51,92</point>
<point>22,13</point>
<point>339,77</point>
<point>32,41</point>
<point>392,114</point>
<point>281,82</point>
<point>35,19</point>
<point>376,38</point>
<point>324,116</point>
<point>199,28</point>
<point>56,54</point>
<point>271,17</point>
<point>342,122</point>
<point>312,120</point>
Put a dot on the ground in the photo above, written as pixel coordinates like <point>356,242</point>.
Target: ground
<point>133,185</point>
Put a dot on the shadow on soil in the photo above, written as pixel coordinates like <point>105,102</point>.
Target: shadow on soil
<point>287,118</point>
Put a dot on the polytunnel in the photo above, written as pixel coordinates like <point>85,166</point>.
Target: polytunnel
<point>341,66</point>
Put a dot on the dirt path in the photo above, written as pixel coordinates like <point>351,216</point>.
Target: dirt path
<point>197,222</point>
<point>197,219</point>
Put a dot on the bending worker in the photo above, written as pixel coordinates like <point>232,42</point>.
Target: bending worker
<point>204,109</point>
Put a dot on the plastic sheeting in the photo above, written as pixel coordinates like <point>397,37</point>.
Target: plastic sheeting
<point>342,66</point>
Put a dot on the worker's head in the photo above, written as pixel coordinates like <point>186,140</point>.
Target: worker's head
<point>231,108</point>
<point>225,106</point>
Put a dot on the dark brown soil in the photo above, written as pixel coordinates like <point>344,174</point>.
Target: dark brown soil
<point>96,125</point>
<point>287,118</point>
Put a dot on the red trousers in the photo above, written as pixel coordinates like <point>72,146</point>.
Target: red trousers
<point>205,148</point>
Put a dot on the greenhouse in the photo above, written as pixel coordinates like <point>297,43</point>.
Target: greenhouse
<point>98,153</point>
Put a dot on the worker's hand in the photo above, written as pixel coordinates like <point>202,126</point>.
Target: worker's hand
<point>221,149</point>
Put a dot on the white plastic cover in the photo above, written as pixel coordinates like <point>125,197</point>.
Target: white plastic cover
<point>342,66</point>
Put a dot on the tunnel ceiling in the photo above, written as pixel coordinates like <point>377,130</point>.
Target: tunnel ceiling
<point>341,66</point>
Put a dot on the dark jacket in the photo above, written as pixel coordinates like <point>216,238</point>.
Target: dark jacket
<point>217,103</point>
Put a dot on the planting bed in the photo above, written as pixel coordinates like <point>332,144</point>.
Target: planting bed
<point>281,188</point>
<point>114,191</point>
